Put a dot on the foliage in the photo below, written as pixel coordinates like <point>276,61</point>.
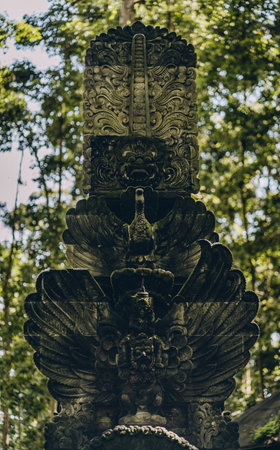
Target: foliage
<point>270,430</point>
<point>237,42</point>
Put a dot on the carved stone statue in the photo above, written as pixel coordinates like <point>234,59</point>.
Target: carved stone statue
<point>141,340</point>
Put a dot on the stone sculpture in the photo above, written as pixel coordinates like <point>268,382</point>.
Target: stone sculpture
<point>141,339</point>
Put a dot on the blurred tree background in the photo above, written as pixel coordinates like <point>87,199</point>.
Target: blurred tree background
<point>237,42</point>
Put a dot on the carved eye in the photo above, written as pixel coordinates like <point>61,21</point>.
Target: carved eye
<point>138,353</point>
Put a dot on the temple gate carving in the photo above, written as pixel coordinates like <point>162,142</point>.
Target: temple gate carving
<point>141,340</point>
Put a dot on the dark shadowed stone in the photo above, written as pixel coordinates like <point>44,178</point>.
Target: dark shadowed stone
<point>139,438</point>
<point>152,323</point>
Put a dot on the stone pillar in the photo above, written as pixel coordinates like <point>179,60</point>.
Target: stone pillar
<point>142,338</point>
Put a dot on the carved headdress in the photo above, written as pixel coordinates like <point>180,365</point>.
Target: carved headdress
<point>140,107</point>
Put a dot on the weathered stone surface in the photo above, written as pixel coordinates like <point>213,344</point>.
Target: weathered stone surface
<point>98,239</point>
<point>150,327</point>
<point>140,103</point>
<point>139,438</point>
<point>211,427</point>
<point>138,352</point>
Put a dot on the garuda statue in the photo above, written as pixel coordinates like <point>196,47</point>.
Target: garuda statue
<point>141,340</point>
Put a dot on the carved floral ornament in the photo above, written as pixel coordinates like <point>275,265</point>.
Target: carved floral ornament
<point>141,340</point>
<point>140,82</point>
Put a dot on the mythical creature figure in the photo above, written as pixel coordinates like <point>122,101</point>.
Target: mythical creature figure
<point>142,338</point>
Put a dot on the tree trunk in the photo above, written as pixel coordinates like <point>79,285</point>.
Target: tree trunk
<point>248,379</point>
<point>7,341</point>
<point>43,181</point>
<point>170,23</point>
<point>7,301</point>
<point>260,369</point>
<point>6,428</point>
<point>19,425</point>
<point>127,13</point>
<point>61,141</point>
<point>252,266</point>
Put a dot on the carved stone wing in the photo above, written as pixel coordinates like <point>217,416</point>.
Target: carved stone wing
<point>95,237</point>
<point>177,234</point>
<point>62,328</point>
<point>217,315</point>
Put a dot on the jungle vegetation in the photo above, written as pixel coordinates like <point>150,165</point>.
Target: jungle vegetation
<point>238,84</point>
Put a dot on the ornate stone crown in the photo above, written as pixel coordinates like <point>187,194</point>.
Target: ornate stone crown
<point>140,111</point>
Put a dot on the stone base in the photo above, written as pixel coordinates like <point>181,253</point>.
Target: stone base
<point>139,438</point>
<point>143,418</point>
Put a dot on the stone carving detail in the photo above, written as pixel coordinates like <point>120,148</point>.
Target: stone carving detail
<point>71,428</point>
<point>98,240</point>
<point>139,114</point>
<point>143,349</point>
<point>122,162</point>
<point>152,438</point>
<point>142,339</point>
<point>122,63</point>
<point>210,427</point>
<point>140,83</point>
<point>113,163</point>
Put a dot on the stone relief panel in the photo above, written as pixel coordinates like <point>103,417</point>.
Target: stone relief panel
<point>141,83</point>
<point>141,351</point>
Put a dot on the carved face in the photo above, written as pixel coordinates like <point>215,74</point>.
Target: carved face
<point>138,162</point>
<point>142,353</point>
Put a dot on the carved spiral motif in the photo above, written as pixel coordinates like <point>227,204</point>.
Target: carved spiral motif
<point>140,81</point>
